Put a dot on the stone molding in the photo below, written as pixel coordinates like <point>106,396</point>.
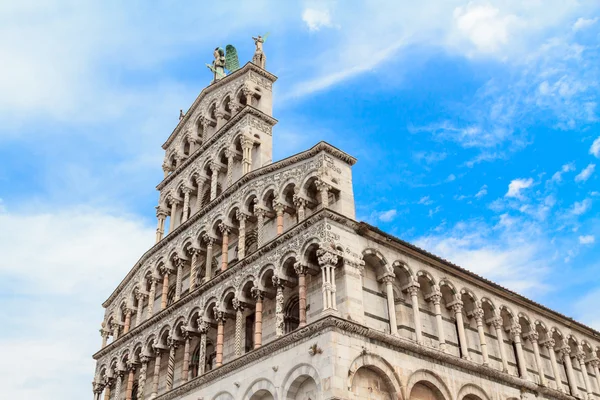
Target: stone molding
<point>220,134</point>
<point>316,225</point>
<point>336,324</point>
<point>236,189</point>
<point>220,84</point>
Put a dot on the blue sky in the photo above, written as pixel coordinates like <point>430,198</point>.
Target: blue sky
<point>475,123</point>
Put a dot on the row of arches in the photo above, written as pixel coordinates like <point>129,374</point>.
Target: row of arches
<point>208,121</point>
<point>262,307</point>
<point>437,313</point>
<point>226,239</point>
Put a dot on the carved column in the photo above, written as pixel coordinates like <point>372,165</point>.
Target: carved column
<point>203,329</point>
<point>499,326</point>
<point>152,296</point>
<point>515,332</point>
<point>533,337</point>
<point>457,307</point>
<point>214,176</point>
<point>219,115</point>
<point>186,203</point>
<point>242,234</point>
<point>225,230</point>
<point>220,317</point>
<point>413,291</point>
<point>248,94</point>
<point>185,369</point>
<point>247,145</point>
<point>156,375</point>
<point>174,203</point>
<point>171,363</point>
<point>328,261</point>
<point>436,298</point>
<point>388,280</point>
<point>580,356</point>
<point>179,277</point>
<point>300,205</point>
<point>258,296</point>
<point>104,333</point>
<point>324,190</point>
<point>127,325</point>
<point>142,378</point>
<point>565,352</point>
<point>130,376</point>
<point>478,314</point>
<point>165,289</point>
<point>279,208</point>
<point>118,385</point>
<point>161,215</point>
<point>107,385</point>
<point>595,363</point>
<point>239,316</point>
<point>209,255</point>
<point>116,328</point>
<point>140,296</point>
<point>260,225</point>
<point>194,268</point>
<point>279,322</point>
<point>549,344</point>
<point>301,271</point>
<point>200,181</point>
<point>229,154</point>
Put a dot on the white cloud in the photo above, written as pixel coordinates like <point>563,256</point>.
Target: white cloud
<point>511,252</point>
<point>585,174</point>
<point>581,207</point>
<point>587,239</point>
<point>595,148</point>
<point>316,19</point>
<point>482,192</point>
<point>516,186</point>
<point>387,216</point>
<point>583,23</point>
<point>425,200</point>
<point>484,26</point>
<point>557,177</point>
<point>55,275</point>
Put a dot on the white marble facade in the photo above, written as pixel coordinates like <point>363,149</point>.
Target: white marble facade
<point>262,285</point>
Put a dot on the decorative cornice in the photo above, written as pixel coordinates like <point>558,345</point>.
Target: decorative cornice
<point>312,152</point>
<point>322,215</point>
<point>211,88</point>
<point>336,324</point>
<point>247,110</point>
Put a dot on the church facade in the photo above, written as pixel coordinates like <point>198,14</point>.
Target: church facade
<point>262,285</point>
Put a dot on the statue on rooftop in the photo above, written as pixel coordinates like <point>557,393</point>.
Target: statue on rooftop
<point>259,57</point>
<point>224,60</point>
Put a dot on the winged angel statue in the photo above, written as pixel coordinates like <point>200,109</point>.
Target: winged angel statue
<point>224,60</point>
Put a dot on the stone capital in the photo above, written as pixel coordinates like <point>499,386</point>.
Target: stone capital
<point>214,167</point>
<point>278,207</point>
<point>208,239</point>
<point>388,278</point>
<point>224,228</point>
<point>246,142</point>
<point>497,322</point>
<point>300,269</point>
<point>257,294</point>
<point>237,304</point>
<point>532,335</point>
<point>202,326</point>
<point>241,216</point>
<point>219,315</point>
<point>277,281</point>
<point>478,314</point>
<point>515,330</point>
<point>326,257</point>
<point>161,212</point>
<point>457,306</point>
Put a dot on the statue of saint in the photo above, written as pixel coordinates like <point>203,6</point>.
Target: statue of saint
<point>259,57</point>
<point>218,64</point>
